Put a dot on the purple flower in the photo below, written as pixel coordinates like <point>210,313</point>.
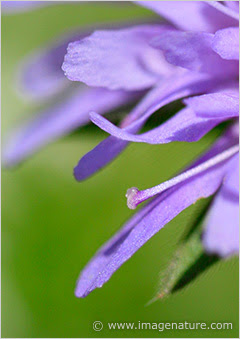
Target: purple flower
<point>131,58</point>
<point>205,54</point>
<point>41,78</point>
<point>192,56</point>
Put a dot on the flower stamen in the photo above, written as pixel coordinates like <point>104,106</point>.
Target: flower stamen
<point>135,197</point>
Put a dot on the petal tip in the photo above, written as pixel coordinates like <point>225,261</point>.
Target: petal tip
<point>78,174</point>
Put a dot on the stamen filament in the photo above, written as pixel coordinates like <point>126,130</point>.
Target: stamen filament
<point>135,197</point>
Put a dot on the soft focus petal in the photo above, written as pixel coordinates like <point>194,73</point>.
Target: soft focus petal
<point>231,182</point>
<point>41,75</point>
<point>234,5</point>
<point>117,59</point>
<point>190,15</point>
<point>13,7</point>
<point>184,126</point>
<point>9,7</point>
<point>226,43</point>
<point>194,51</point>
<point>222,230</point>
<point>182,84</point>
<point>148,221</point>
<point>227,10</point>
<point>215,105</point>
<point>60,120</point>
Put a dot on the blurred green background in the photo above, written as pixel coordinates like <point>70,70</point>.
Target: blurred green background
<point>52,225</point>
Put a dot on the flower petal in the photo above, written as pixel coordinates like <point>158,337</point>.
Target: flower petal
<point>234,5</point>
<point>227,10</point>
<point>60,120</point>
<point>215,105</point>
<point>184,126</point>
<point>193,50</point>
<point>41,75</point>
<point>190,15</point>
<point>222,230</point>
<point>117,59</point>
<point>105,152</point>
<point>9,7</point>
<point>226,43</point>
<point>182,84</point>
<point>148,221</point>
<point>231,182</point>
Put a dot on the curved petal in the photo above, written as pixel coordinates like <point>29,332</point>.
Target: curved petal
<point>117,59</point>
<point>184,126</point>
<point>226,43</point>
<point>190,15</point>
<point>148,221</point>
<point>215,105</point>
<point>193,50</point>
<point>222,230</point>
<point>59,120</point>
<point>174,88</point>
